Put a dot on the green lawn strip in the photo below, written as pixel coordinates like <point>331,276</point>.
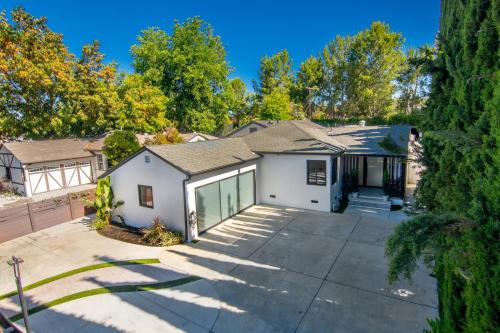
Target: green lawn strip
<point>107,290</point>
<point>81,270</point>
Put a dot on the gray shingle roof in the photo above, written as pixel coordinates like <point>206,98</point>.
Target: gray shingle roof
<point>293,137</point>
<point>202,156</point>
<point>29,152</point>
<point>363,140</point>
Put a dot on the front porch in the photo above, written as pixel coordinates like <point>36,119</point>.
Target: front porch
<point>387,174</point>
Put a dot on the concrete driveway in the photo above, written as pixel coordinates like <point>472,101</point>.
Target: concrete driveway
<point>288,270</point>
<point>269,269</point>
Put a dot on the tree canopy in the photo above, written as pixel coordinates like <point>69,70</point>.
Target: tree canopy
<point>45,91</point>
<point>181,79</point>
<point>191,69</point>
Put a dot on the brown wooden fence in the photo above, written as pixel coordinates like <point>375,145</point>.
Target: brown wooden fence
<point>29,217</point>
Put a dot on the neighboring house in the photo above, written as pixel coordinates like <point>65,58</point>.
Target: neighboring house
<point>96,147</point>
<point>252,127</point>
<point>34,167</point>
<point>195,137</point>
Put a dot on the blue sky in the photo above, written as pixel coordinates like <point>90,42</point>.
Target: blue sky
<point>249,29</point>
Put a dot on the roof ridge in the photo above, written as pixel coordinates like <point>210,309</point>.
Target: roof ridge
<point>339,145</point>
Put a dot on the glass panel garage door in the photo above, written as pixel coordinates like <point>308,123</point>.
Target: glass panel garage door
<point>229,197</point>
<point>208,205</point>
<point>218,201</point>
<point>246,190</point>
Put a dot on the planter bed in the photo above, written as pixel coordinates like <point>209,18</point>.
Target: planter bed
<point>123,233</point>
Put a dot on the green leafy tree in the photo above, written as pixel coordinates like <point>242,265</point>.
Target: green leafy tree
<point>276,106</point>
<point>93,106</point>
<point>307,85</point>
<point>238,102</point>
<point>194,73</point>
<point>413,80</point>
<point>143,106</point>
<point>119,145</point>
<point>460,187</point>
<point>275,72</point>
<point>150,54</point>
<point>336,75</point>
<point>35,75</point>
<point>375,60</point>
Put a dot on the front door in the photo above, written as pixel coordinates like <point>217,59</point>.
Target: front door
<point>374,171</point>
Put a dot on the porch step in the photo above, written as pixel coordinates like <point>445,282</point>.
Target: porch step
<point>370,202</point>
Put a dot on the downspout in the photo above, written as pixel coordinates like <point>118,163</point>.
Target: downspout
<point>186,223</point>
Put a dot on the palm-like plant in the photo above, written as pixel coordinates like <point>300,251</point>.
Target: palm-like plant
<point>103,203</point>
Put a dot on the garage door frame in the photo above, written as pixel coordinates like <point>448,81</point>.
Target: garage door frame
<point>220,201</point>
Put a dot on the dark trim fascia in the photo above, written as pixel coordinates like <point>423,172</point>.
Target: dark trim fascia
<point>375,155</point>
<point>300,153</point>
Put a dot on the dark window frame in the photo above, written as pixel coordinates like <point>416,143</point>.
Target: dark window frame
<point>253,129</point>
<point>143,203</point>
<point>314,167</point>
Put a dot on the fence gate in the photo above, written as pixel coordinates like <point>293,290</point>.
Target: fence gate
<point>29,217</point>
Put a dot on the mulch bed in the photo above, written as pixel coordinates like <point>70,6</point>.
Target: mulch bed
<point>128,235</point>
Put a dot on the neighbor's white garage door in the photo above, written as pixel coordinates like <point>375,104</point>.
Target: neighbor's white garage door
<point>55,177</point>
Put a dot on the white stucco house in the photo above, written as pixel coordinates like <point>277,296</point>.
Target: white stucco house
<point>195,186</point>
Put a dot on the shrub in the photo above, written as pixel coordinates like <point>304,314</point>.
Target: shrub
<point>171,135</point>
<point>159,235</point>
<point>119,145</point>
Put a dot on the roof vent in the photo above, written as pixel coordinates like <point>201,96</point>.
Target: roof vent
<point>362,123</point>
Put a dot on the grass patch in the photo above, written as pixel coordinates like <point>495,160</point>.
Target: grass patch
<point>81,270</point>
<point>107,290</point>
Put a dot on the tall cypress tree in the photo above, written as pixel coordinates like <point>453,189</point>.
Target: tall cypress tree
<point>460,187</point>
